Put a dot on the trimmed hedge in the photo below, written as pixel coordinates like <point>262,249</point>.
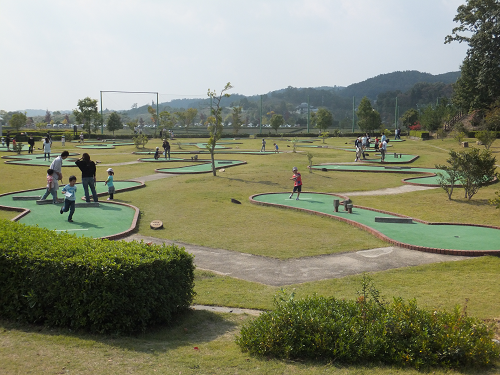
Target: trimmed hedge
<point>420,134</point>
<point>97,285</point>
<point>367,331</point>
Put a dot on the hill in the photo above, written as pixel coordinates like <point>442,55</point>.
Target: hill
<point>396,81</point>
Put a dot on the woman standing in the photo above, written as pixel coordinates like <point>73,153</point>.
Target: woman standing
<point>88,169</point>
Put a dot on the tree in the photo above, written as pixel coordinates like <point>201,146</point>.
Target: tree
<point>152,112</point>
<point>276,122</point>
<point>324,119</point>
<point>486,137</point>
<point>48,117</point>
<point>214,121</point>
<point>114,123</point>
<point>166,120</point>
<point>86,113</point>
<point>132,125</point>
<point>18,120</point>
<point>409,118</point>
<point>368,118</point>
<point>479,83</point>
<point>186,117</point>
<point>236,119</point>
<point>473,168</point>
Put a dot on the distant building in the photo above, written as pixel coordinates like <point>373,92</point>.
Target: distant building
<point>302,108</point>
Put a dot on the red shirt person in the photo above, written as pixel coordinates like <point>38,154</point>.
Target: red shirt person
<point>297,185</point>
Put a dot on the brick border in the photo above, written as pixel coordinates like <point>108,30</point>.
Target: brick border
<point>382,236</point>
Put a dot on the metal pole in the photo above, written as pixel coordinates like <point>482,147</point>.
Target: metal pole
<point>353,112</point>
<point>260,122</point>
<point>396,114</point>
<point>308,114</point>
<point>157,113</point>
<point>102,119</point>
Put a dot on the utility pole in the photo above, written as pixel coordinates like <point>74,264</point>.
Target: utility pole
<point>353,111</point>
<point>260,122</point>
<point>396,114</point>
<point>308,114</point>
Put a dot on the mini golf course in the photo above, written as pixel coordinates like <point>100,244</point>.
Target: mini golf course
<point>111,220</point>
<point>445,238</point>
<point>202,168</point>
<point>38,160</point>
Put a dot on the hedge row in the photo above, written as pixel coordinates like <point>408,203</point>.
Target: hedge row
<point>364,331</point>
<point>420,134</point>
<point>83,283</point>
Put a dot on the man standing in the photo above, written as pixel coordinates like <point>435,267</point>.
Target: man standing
<point>31,142</point>
<point>56,166</point>
<point>383,149</point>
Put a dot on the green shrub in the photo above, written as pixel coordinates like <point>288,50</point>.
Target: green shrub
<point>419,134</point>
<point>366,330</point>
<point>91,284</point>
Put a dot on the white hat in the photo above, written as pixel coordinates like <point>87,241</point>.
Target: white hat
<point>109,170</point>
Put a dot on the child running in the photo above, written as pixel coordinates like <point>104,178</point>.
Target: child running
<point>51,186</point>
<point>109,183</point>
<point>297,186</point>
<point>69,192</point>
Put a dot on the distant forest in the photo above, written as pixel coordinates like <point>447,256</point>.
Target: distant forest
<point>412,89</point>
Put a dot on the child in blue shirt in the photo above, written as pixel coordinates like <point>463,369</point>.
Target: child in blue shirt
<point>69,192</point>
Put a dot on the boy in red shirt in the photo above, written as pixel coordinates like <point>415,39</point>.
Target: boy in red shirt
<point>297,186</point>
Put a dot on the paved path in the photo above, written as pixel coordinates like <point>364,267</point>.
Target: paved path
<point>276,272</point>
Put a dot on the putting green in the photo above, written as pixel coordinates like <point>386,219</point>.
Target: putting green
<point>466,239</point>
<point>26,147</point>
<point>202,168</point>
<point>109,220</point>
<point>102,145</point>
<point>38,160</point>
<point>430,180</point>
<point>208,153</point>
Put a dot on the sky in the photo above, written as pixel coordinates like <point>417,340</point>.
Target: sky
<point>55,52</point>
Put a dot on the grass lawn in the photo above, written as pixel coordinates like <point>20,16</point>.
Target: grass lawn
<point>197,209</point>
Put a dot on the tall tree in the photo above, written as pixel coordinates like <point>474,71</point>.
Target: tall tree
<point>368,118</point>
<point>114,122</point>
<point>479,84</point>
<point>410,117</point>
<point>86,113</point>
<point>276,121</point>
<point>152,112</point>
<point>48,117</point>
<point>166,120</point>
<point>324,119</point>
<point>214,121</point>
<point>236,119</point>
<point>186,117</point>
<point>18,120</point>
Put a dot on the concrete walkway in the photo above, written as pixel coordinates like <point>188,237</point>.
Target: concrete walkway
<point>276,272</point>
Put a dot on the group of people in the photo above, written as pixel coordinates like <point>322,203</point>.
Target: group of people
<point>166,150</point>
<point>362,144</point>
<point>88,169</point>
<point>263,148</point>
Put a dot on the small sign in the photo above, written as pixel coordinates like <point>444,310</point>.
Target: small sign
<point>156,224</point>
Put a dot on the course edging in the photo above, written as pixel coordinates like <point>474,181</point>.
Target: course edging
<point>382,236</point>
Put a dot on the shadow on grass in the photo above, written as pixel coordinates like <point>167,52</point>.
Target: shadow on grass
<point>189,328</point>
<point>269,183</point>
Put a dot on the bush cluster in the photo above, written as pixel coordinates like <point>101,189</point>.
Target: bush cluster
<point>367,331</point>
<point>83,283</point>
<point>419,134</point>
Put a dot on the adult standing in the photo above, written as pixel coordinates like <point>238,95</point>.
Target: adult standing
<point>263,148</point>
<point>56,166</point>
<point>88,169</point>
<point>7,140</point>
<point>31,142</point>
<point>166,148</point>
<point>383,149</point>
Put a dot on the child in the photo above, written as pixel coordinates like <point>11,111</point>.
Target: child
<point>297,186</point>
<point>276,148</point>
<point>157,153</point>
<point>109,182</point>
<point>69,192</point>
<point>46,149</point>
<point>51,187</point>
